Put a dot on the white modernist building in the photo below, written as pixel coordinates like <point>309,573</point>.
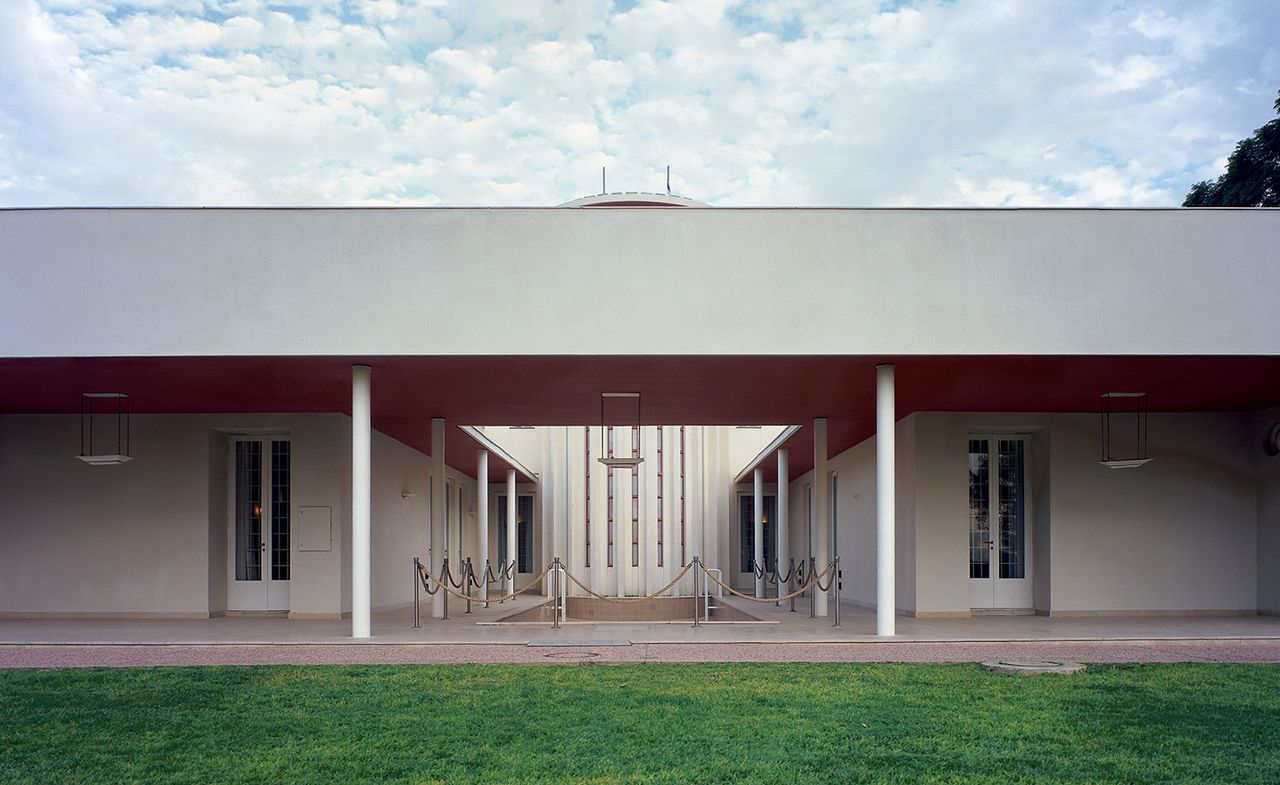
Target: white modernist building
<point>293,404</point>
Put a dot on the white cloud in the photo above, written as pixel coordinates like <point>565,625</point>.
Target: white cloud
<point>753,102</point>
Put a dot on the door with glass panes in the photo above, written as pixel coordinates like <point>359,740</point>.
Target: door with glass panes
<point>999,522</point>
<point>258,536</point>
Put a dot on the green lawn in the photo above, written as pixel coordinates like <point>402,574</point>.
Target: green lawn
<point>757,723</point>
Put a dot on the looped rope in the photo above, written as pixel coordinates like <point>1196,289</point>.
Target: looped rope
<point>812,581</point>
<point>471,575</point>
<point>425,576</point>
<point>628,600</point>
<point>818,578</point>
<point>447,574</point>
<point>426,584</point>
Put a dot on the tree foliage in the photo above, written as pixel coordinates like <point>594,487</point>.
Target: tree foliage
<point>1253,173</point>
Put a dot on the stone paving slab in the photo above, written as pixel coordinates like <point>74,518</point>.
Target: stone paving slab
<point>115,656</point>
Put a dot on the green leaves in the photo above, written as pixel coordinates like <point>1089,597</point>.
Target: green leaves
<point>1252,178</point>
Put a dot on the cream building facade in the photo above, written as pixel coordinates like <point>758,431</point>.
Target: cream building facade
<point>317,396</point>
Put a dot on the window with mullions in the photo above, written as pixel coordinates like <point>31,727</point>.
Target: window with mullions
<point>1013,513</point>
<point>747,538</point>
<point>524,532</point>
<point>635,498</point>
<point>248,511</point>
<point>979,508</point>
<point>587,501</point>
<point>279,511</point>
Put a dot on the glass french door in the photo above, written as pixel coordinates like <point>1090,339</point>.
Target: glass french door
<point>747,534</point>
<point>999,522</point>
<point>258,537</point>
<point>524,531</point>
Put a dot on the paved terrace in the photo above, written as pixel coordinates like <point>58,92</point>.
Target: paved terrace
<point>782,636</point>
<point>777,625</point>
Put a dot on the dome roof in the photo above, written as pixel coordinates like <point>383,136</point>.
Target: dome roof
<point>634,199</point>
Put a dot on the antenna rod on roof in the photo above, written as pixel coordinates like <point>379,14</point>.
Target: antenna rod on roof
<point>668,179</point>
<point>603,190</point>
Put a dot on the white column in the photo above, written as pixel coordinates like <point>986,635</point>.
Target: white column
<point>885,513</point>
<point>511,527</point>
<point>439,526</point>
<point>482,512</point>
<point>782,517</point>
<point>621,526</point>
<point>819,510</point>
<point>757,528</point>
<point>361,480</point>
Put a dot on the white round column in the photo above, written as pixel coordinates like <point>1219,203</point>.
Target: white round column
<point>757,529</point>
<point>439,526</point>
<point>885,513</point>
<point>482,516</point>
<point>511,528</point>
<point>781,516</point>
<point>819,510</point>
<point>361,487</point>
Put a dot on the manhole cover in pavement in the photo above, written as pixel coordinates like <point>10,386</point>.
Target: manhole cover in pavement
<point>1032,667</point>
<point>571,655</point>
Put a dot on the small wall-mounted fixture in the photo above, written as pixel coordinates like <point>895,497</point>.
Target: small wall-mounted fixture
<point>407,495</point>
<point>1138,411</point>
<point>87,454</point>
<point>520,427</point>
<point>1271,439</point>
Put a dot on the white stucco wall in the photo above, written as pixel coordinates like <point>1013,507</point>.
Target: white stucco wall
<point>1178,534</point>
<point>1268,467</point>
<point>855,471</point>
<point>843,281</point>
<point>113,539</point>
<point>398,526</point>
<point>149,537</point>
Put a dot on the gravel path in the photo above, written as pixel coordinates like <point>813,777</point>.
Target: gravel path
<point>120,656</point>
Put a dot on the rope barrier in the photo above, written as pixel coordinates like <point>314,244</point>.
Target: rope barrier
<point>814,580</point>
<point>628,600</point>
<point>448,576</point>
<point>426,585</point>
<point>536,579</point>
<point>831,580</point>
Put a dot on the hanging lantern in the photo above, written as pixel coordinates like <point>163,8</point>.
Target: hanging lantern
<point>1118,409</point>
<point>630,461</point>
<point>92,421</point>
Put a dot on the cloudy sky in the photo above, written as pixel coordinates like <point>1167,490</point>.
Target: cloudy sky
<point>751,102</point>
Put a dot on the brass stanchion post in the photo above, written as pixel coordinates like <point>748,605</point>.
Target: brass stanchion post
<point>467,574</point>
<point>417,617</point>
<point>696,595</point>
<point>835,581</point>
